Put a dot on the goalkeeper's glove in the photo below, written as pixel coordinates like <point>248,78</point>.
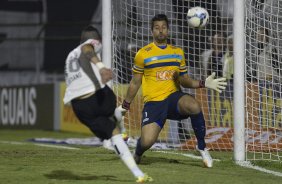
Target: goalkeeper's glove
<point>218,84</point>
<point>122,109</point>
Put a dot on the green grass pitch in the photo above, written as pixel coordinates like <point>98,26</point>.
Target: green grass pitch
<point>25,163</point>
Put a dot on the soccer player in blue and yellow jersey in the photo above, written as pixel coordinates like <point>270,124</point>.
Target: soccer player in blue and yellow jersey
<point>160,68</point>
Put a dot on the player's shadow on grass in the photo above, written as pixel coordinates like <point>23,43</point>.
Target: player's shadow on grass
<point>148,160</point>
<point>68,175</point>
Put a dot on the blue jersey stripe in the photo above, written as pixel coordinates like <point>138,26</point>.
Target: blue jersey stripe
<point>170,56</point>
<point>182,73</point>
<point>163,64</point>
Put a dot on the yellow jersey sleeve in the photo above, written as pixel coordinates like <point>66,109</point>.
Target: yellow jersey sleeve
<point>138,66</point>
<point>183,67</point>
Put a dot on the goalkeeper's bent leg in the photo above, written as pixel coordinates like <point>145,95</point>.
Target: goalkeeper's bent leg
<point>125,155</point>
<point>149,135</point>
<point>199,127</point>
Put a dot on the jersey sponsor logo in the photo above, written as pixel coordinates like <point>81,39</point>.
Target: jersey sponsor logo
<point>165,75</point>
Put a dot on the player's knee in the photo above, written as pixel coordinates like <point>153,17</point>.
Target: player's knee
<point>190,107</point>
<point>195,107</point>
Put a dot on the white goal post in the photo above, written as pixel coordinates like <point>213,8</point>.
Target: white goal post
<point>247,117</point>
<point>238,95</point>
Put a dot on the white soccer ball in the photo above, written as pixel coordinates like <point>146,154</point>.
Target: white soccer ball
<point>197,17</point>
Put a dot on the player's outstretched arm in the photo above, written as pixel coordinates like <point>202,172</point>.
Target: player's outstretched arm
<point>218,84</point>
<point>186,82</point>
<point>132,90</point>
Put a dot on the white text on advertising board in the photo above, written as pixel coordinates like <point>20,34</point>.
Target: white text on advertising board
<point>17,106</point>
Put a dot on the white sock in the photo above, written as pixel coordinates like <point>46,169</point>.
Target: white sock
<point>125,155</point>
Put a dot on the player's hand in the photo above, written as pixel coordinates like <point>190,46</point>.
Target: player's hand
<point>106,75</point>
<point>120,112</point>
<point>218,84</point>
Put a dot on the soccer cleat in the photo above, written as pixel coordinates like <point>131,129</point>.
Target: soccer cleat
<point>207,159</point>
<point>124,136</point>
<point>144,179</point>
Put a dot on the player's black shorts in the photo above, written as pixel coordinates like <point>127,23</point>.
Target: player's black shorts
<point>95,111</point>
<point>161,110</point>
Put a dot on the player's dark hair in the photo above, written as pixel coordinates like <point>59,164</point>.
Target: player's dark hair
<point>159,17</point>
<point>90,32</point>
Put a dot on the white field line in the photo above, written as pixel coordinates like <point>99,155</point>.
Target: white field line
<point>12,142</point>
<point>57,146</point>
<point>245,164</point>
<point>42,145</point>
<point>250,166</point>
<point>184,154</point>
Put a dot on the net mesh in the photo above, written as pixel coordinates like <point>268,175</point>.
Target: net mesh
<point>263,79</point>
<point>207,50</point>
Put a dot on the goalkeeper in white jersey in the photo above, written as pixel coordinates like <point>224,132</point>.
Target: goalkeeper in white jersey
<point>93,102</point>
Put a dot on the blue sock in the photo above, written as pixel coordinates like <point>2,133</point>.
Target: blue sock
<point>199,127</point>
<point>138,150</point>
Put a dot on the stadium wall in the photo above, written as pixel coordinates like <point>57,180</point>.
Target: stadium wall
<point>28,107</point>
<point>68,120</point>
<point>37,107</point>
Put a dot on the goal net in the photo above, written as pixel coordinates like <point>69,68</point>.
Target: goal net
<point>206,50</point>
<point>263,79</point>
